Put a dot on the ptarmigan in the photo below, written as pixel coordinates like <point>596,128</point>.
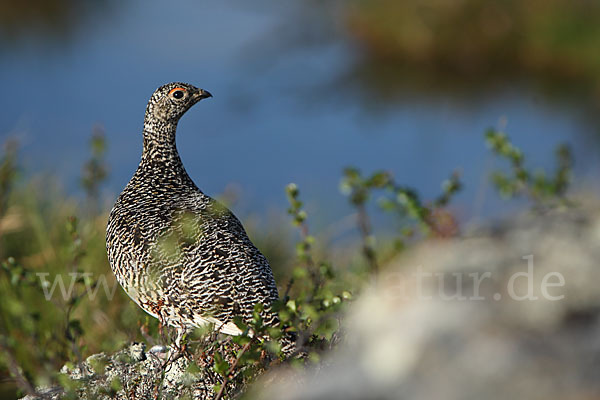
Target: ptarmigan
<point>179,254</point>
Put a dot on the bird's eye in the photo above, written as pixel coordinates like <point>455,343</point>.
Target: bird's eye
<point>177,93</point>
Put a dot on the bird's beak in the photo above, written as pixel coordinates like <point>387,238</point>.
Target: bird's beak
<point>203,94</point>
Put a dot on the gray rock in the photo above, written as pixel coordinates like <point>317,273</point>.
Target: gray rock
<point>428,330</point>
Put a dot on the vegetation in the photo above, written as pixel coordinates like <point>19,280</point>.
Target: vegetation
<point>482,36</point>
<point>61,302</point>
<point>543,191</point>
<point>474,43</point>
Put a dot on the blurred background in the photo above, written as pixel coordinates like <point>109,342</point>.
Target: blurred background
<point>302,89</point>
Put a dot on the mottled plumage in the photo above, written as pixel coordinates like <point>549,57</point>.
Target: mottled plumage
<point>180,255</point>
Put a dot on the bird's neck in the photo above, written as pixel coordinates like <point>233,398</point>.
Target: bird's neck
<point>159,145</point>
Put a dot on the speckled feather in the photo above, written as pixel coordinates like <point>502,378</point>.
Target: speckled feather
<point>179,254</point>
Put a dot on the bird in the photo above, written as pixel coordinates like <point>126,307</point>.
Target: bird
<point>182,256</point>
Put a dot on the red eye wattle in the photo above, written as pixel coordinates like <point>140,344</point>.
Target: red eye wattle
<point>177,93</point>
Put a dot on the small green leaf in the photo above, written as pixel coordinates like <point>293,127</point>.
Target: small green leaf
<point>221,366</point>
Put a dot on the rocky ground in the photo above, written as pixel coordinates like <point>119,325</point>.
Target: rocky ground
<point>133,373</point>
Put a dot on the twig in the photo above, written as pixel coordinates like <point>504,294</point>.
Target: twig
<point>286,293</point>
<point>18,376</point>
<point>308,260</point>
<point>232,368</point>
<point>364,226</point>
<point>300,220</point>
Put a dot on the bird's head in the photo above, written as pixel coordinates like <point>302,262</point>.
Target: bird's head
<point>169,102</point>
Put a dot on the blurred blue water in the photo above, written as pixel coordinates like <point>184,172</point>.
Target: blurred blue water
<point>273,120</point>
